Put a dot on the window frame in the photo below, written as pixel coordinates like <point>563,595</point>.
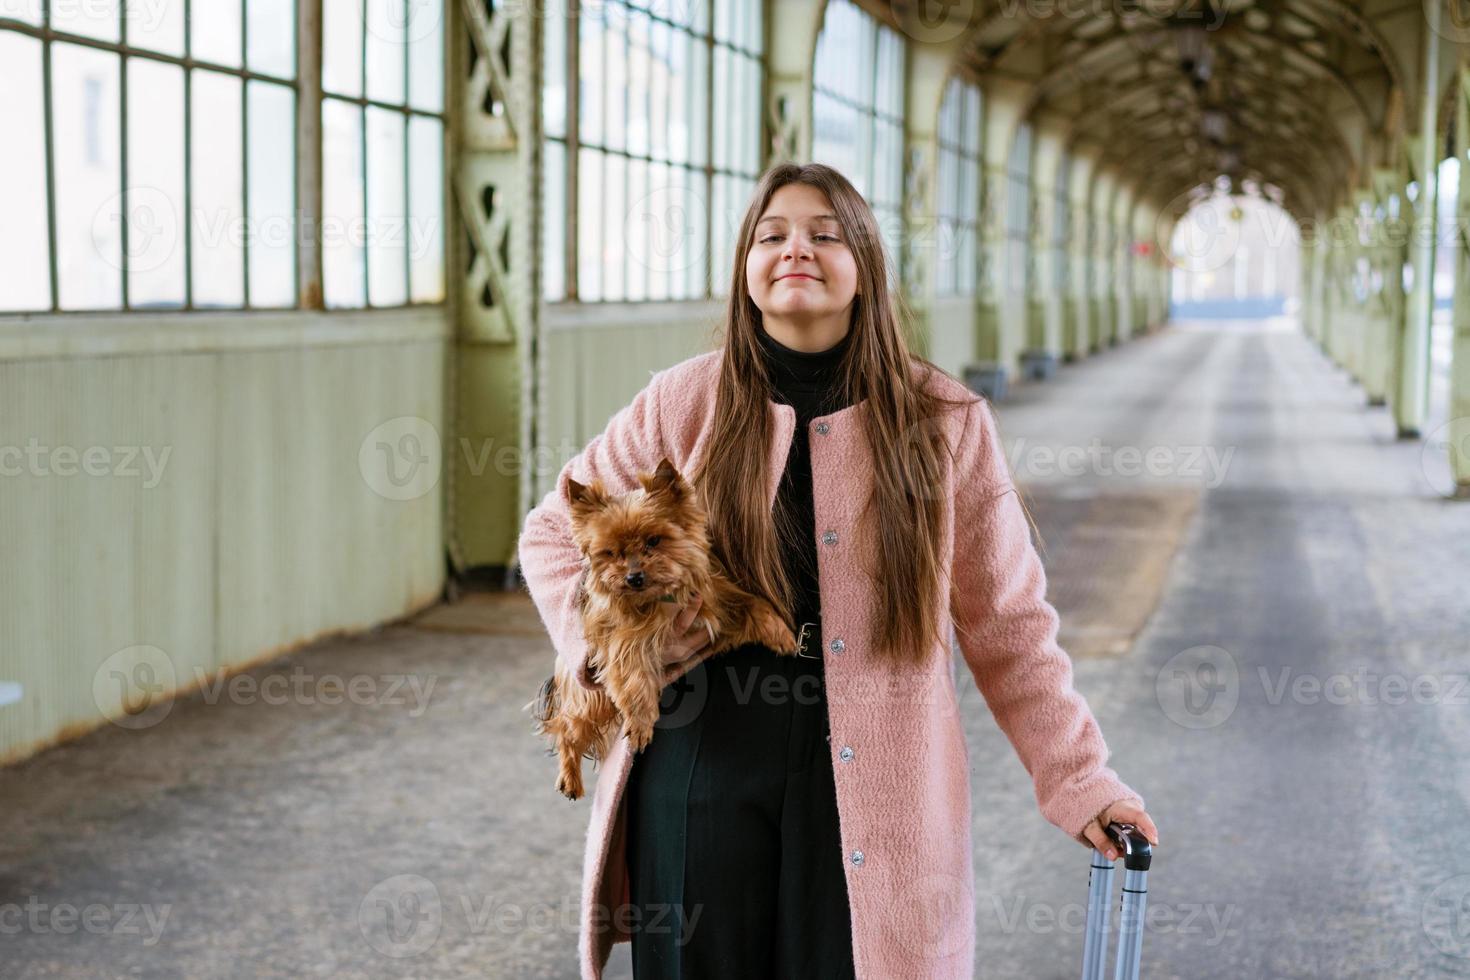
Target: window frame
<point>309,97</point>
<point>959,147</point>
<point>877,108</point>
<point>572,143</point>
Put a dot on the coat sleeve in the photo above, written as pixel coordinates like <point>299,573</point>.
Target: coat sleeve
<point>550,561</point>
<point>1007,632</point>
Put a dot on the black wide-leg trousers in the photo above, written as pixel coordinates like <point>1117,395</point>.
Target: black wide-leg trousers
<point>734,859</point>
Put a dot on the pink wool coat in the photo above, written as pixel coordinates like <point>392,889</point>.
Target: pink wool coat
<point>903,794</point>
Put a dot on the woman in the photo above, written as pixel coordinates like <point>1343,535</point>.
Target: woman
<point>810,817</point>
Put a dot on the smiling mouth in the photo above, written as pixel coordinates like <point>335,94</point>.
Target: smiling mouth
<point>799,275</point>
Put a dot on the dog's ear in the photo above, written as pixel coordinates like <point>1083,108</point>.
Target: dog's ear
<point>665,480</point>
<point>584,495</point>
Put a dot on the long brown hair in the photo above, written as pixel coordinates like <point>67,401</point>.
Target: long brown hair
<point>900,416</point>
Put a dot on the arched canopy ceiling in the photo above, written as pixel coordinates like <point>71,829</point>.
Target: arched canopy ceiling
<point>1296,95</point>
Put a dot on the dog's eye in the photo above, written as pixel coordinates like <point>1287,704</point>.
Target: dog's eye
<point>653,541</point>
<point>606,553</point>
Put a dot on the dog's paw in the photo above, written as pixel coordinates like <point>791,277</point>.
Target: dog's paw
<point>776,635</point>
<point>638,735</point>
<point>570,787</point>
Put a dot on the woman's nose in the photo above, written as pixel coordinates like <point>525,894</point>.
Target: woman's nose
<point>797,247</point>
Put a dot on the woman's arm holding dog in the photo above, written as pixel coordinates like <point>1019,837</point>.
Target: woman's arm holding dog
<point>550,561</point>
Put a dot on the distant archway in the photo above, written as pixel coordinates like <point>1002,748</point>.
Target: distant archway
<point>1235,255</point>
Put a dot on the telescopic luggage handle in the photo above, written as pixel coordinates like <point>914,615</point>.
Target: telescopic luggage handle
<point>1137,853</point>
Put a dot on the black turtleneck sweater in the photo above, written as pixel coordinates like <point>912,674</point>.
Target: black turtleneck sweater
<point>809,383</point>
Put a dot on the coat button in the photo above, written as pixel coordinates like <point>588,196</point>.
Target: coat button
<point>823,428</point>
<point>838,646</point>
<point>846,754</point>
<point>829,537</point>
<point>857,858</point>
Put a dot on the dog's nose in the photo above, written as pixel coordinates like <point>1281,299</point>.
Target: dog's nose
<point>636,580</point>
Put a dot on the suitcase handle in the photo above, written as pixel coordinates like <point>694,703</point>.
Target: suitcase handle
<point>1137,855</point>
<point>1137,851</point>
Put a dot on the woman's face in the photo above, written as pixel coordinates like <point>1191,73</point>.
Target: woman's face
<point>799,268</point>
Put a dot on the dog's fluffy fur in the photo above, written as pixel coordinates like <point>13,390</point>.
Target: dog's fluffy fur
<point>659,533</point>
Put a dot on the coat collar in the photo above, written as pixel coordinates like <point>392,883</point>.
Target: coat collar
<point>785,429</point>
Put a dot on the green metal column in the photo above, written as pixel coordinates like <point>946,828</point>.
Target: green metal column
<point>1344,244</point>
<point>1388,248</point>
<point>1308,304</point>
<point>494,266</point>
<point>928,72</point>
<point>1411,401</point>
<point>1038,257</point>
<point>792,27</point>
<point>1457,431</point>
<point>992,245</point>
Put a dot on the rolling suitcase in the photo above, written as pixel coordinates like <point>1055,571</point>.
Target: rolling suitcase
<point>1136,853</point>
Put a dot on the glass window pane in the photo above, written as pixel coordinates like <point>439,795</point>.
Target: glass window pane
<point>646,232</point>
<point>426,53</point>
<point>95,19</point>
<point>668,9</point>
<point>554,53</point>
<point>342,46</point>
<point>589,225</point>
<point>270,142</point>
<point>28,11</point>
<point>725,14</point>
<point>589,80</point>
<point>426,206</point>
<point>385,50</point>
<point>659,40</point>
<point>695,15</point>
<point>724,89</point>
<point>638,83</point>
<point>155,203</point>
<point>156,26</point>
<point>697,71</point>
<point>217,201</point>
<point>615,53</point>
<point>554,223</point>
<point>214,31</point>
<point>721,239</point>
<point>25,241</point>
<point>271,37</point>
<point>696,207</point>
<point>679,97</point>
<point>752,128</point>
<point>614,189</point>
<point>387,210</point>
<point>894,91</point>
<point>865,40</point>
<point>87,132</point>
<point>659,270</point>
<point>343,268</point>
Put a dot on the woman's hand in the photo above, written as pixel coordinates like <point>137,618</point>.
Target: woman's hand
<point>687,640</point>
<point>1123,811</point>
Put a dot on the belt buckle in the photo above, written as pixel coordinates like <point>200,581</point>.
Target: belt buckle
<point>801,639</point>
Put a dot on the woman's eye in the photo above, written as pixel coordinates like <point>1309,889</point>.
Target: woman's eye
<point>824,237</point>
<point>653,541</point>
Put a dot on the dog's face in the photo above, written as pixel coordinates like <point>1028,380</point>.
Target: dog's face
<point>642,544</point>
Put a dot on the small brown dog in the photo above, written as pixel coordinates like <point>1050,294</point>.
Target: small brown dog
<point>646,554</point>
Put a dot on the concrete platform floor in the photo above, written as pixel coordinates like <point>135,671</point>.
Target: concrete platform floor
<point>1294,709</point>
